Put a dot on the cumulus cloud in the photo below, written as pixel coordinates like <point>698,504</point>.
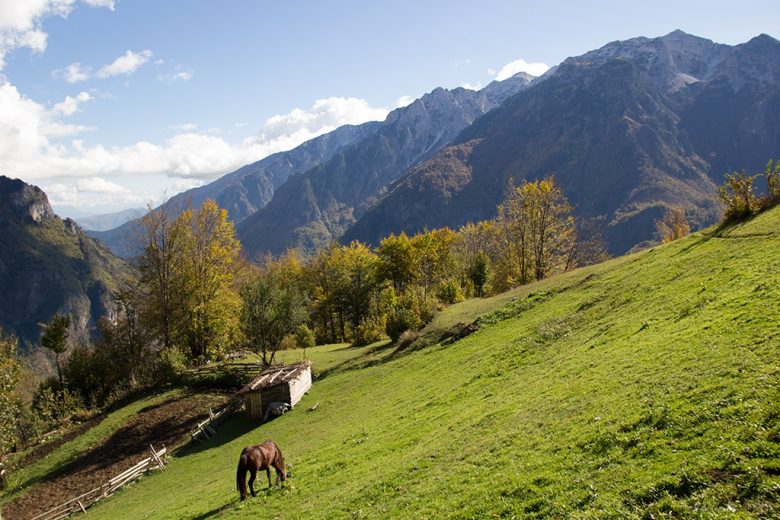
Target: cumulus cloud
<point>20,22</point>
<point>126,64</point>
<point>512,68</point>
<point>31,145</point>
<point>470,86</point>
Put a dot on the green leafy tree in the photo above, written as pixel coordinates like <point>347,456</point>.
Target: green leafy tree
<point>271,311</point>
<point>478,273</point>
<point>397,260</point>
<point>55,338</point>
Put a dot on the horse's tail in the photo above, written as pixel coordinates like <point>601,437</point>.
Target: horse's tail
<point>241,475</point>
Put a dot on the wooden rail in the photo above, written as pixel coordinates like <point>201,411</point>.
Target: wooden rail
<point>82,502</point>
<point>207,427</point>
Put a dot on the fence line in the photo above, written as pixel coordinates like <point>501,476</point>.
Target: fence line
<point>85,500</point>
<point>204,428</point>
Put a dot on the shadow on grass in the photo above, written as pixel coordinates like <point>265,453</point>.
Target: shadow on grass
<point>217,510</point>
<point>234,427</point>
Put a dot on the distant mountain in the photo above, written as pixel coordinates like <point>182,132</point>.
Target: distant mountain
<point>49,265</point>
<point>628,130</point>
<point>251,187</point>
<point>316,206</point>
<point>108,221</point>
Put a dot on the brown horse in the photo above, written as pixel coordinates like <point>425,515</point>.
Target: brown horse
<point>259,457</point>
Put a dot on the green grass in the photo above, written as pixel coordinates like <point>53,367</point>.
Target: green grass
<point>20,480</point>
<point>645,387</point>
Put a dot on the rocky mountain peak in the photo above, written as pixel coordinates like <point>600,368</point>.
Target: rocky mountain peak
<point>24,200</point>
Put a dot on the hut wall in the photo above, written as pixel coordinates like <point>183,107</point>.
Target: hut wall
<point>299,386</point>
<point>254,405</point>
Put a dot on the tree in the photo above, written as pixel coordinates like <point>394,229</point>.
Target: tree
<point>397,260</point>
<point>160,265</point>
<point>772,178</point>
<point>673,225</point>
<point>188,270</point>
<point>9,403</point>
<point>208,270</point>
<point>55,338</point>
<point>478,273</point>
<point>539,227</point>
<point>271,310</point>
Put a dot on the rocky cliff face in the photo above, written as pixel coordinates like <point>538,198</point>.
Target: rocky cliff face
<point>628,130</point>
<point>49,265</point>
<point>316,206</point>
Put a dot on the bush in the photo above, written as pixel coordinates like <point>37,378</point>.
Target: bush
<point>304,336</point>
<point>288,342</point>
<point>738,197</point>
<point>172,363</point>
<point>52,404</point>
<point>407,338</point>
<point>369,330</point>
<point>772,178</point>
<point>400,320</point>
<point>449,292</point>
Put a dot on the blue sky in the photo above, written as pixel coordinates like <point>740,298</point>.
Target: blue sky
<point>108,104</point>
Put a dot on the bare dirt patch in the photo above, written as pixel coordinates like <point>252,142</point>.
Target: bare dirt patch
<point>168,423</point>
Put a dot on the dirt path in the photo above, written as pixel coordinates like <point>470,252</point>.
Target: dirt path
<point>168,423</point>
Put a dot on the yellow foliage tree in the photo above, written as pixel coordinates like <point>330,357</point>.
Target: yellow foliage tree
<point>673,225</point>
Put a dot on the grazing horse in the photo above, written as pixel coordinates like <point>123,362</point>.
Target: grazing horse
<point>259,457</point>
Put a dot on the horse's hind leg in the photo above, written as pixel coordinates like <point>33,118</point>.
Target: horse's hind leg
<point>252,481</point>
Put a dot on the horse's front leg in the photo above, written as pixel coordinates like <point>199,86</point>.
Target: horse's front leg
<point>268,473</point>
<point>252,481</point>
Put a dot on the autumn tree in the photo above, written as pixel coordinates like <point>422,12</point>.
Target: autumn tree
<point>397,260</point>
<point>55,338</point>
<point>737,195</point>
<point>539,226</point>
<point>208,270</point>
<point>673,225</point>
<point>9,403</point>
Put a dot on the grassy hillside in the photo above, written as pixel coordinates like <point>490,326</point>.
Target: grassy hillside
<point>643,387</point>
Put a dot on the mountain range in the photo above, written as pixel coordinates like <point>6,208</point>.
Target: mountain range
<point>629,130</point>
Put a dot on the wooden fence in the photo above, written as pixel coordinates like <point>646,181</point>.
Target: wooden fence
<point>207,427</point>
<point>247,369</point>
<point>82,502</point>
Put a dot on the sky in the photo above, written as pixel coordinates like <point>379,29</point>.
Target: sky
<point>112,104</point>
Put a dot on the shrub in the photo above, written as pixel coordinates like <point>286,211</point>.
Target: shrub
<point>772,178</point>
<point>304,336</point>
<point>369,330</point>
<point>288,342</point>
<point>738,197</point>
<point>449,292</point>
<point>673,225</point>
<point>407,338</point>
<point>401,319</point>
<point>172,364</point>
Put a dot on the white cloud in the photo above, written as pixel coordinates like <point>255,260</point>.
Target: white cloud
<point>184,127</point>
<point>520,65</point>
<point>73,73</point>
<point>71,104</point>
<point>469,86</point>
<point>404,101</point>
<point>31,146</point>
<point>126,64</point>
<point>20,22</point>
<point>173,77</point>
